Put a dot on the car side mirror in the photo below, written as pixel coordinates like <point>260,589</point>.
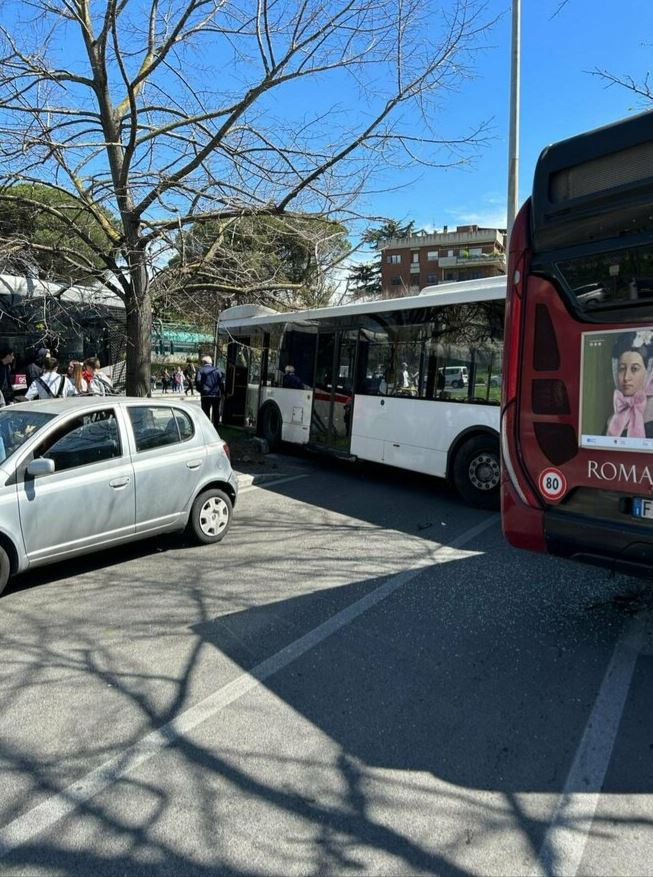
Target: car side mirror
<point>40,466</point>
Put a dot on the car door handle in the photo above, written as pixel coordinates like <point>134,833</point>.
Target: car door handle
<point>194,464</point>
<point>117,483</point>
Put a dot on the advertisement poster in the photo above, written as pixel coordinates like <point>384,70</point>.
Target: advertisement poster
<point>616,400</point>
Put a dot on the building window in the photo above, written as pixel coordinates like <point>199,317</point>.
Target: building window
<point>450,254</point>
<point>475,251</point>
<point>414,258</point>
<point>432,255</point>
<point>431,278</point>
<point>394,260</point>
<point>395,281</point>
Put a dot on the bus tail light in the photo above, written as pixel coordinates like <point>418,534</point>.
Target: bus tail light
<point>515,302</point>
<point>510,465</point>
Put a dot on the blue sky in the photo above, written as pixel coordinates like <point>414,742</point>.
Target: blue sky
<point>559,98</point>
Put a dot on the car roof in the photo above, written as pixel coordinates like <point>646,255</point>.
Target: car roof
<point>74,403</point>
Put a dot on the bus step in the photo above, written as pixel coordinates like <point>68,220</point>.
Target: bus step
<point>339,454</point>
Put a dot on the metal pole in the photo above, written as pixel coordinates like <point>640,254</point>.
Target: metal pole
<point>513,141</point>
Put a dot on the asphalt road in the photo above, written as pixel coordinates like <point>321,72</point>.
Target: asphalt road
<point>362,679</point>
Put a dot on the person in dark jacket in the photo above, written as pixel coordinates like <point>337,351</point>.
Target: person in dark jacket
<point>7,360</point>
<point>35,369</point>
<point>291,380</point>
<point>210,384</point>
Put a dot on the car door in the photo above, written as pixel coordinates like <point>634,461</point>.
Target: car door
<point>89,500</point>
<point>169,459</point>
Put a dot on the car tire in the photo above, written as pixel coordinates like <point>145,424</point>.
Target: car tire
<point>5,569</point>
<point>477,473</point>
<point>456,384</point>
<point>271,426</point>
<point>210,516</point>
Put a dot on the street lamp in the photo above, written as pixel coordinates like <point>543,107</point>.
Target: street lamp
<point>513,139</point>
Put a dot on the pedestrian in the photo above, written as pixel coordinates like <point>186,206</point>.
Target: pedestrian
<point>210,384</point>
<point>7,360</point>
<point>76,376</point>
<point>190,374</point>
<point>290,380</point>
<point>99,384</point>
<point>165,380</point>
<point>179,380</point>
<point>50,385</point>
<point>35,368</point>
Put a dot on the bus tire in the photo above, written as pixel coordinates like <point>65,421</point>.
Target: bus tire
<point>477,473</point>
<point>271,426</point>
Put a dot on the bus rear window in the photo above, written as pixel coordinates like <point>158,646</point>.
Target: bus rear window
<point>610,280</point>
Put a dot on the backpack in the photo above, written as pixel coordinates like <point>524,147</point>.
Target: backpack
<point>51,395</point>
<point>99,386</point>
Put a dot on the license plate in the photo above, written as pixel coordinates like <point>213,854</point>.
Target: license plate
<point>642,508</point>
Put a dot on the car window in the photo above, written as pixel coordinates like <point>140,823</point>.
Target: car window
<point>16,427</point>
<point>89,438</point>
<point>154,426</point>
<point>185,424</point>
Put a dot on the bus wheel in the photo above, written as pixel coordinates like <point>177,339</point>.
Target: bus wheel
<point>271,426</point>
<point>477,473</point>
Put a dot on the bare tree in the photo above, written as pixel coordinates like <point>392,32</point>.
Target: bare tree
<point>166,114</point>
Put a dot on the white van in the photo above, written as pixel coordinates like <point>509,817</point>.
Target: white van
<point>455,376</point>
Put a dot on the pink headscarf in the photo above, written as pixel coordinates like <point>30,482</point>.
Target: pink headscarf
<point>628,415</point>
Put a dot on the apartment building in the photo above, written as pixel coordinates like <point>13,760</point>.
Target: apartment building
<point>467,253</point>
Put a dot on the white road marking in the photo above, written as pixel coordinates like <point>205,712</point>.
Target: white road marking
<point>42,817</point>
<point>565,840</point>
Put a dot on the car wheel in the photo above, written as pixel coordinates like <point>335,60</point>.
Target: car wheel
<point>5,569</point>
<point>477,472</point>
<point>271,426</point>
<point>210,516</point>
<point>456,384</point>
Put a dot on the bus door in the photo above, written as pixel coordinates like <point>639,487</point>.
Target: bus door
<point>235,401</point>
<point>333,393</point>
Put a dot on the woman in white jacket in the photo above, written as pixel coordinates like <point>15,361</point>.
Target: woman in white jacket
<point>50,385</point>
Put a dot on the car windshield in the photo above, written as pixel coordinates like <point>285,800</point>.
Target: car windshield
<point>16,427</point>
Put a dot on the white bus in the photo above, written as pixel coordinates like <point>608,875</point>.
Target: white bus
<point>373,381</point>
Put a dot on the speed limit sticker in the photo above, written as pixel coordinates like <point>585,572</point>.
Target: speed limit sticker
<point>552,484</point>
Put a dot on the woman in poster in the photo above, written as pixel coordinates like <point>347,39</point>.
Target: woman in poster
<point>632,363</point>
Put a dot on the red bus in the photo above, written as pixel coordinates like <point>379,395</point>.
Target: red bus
<point>577,397</point>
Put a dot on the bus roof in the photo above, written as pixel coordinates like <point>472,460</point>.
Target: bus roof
<point>487,289</point>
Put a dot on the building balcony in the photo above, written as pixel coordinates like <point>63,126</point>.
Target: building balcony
<point>471,261</point>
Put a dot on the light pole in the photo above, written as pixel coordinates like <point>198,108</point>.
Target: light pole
<point>513,139</point>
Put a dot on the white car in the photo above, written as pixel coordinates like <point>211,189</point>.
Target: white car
<point>82,474</point>
<point>455,375</point>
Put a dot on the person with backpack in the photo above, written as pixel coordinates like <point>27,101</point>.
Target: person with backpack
<point>50,385</point>
<point>98,383</point>
<point>210,384</point>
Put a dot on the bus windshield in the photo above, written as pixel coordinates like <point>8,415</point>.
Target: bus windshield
<point>606,280</point>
